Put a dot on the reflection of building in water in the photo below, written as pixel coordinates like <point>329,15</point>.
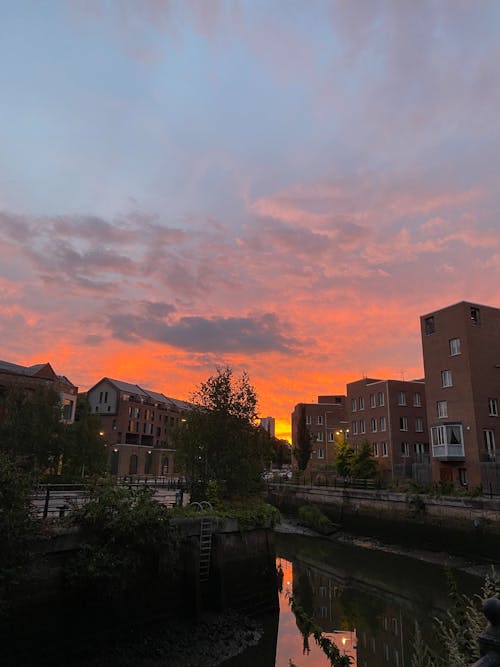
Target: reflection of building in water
<point>319,596</point>
<point>384,623</point>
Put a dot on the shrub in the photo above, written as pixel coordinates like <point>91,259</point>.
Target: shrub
<point>312,517</point>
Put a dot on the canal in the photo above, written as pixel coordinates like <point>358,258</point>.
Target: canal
<point>365,600</point>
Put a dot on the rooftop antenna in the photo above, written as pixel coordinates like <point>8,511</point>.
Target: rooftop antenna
<point>403,376</point>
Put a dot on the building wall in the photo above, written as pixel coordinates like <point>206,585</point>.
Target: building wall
<point>323,419</point>
<point>391,416</point>
<point>473,379</point>
<point>137,429</point>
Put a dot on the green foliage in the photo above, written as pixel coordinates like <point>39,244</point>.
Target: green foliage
<point>303,446</point>
<point>126,535</point>
<point>220,441</point>
<point>308,627</point>
<point>459,628</point>
<point>18,526</point>
<point>344,456</point>
<point>85,452</point>
<point>31,427</point>
<point>364,466</point>
<point>311,516</point>
<point>281,453</point>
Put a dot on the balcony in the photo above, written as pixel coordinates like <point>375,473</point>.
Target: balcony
<point>448,452</point>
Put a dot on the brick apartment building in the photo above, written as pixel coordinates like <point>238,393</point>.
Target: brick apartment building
<point>137,424</point>
<point>323,419</point>
<point>391,416</point>
<point>38,375</point>
<point>461,350</point>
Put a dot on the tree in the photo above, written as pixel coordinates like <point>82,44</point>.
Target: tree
<point>219,441</point>
<point>344,456</point>
<point>364,466</point>
<point>303,447</point>
<point>31,426</point>
<point>85,452</point>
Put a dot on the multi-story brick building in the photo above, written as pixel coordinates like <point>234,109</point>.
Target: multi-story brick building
<point>39,375</point>
<point>323,419</point>
<point>137,425</point>
<point>391,416</point>
<point>269,425</point>
<point>461,349</point>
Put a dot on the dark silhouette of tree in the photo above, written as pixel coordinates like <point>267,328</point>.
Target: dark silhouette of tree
<point>303,447</point>
<point>220,441</point>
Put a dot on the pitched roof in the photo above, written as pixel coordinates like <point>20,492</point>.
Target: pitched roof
<point>136,389</point>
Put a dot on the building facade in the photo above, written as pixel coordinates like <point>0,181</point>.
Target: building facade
<point>269,425</point>
<point>323,419</point>
<point>137,425</point>
<point>391,416</point>
<point>461,350</point>
<point>31,377</point>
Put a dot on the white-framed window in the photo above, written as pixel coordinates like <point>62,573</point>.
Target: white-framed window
<point>417,400</point>
<point>383,423</point>
<point>403,423</point>
<point>331,436</point>
<point>493,407</point>
<point>320,453</point>
<point>381,398</point>
<point>402,398</point>
<point>374,424</point>
<point>442,409</point>
<point>419,425</point>
<point>319,437</point>
<point>375,448</point>
<point>446,378</point>
<point>475,315</point>
<point>385,450</point>
<point>308,420</point>
<point>462,476</point>
<point>405,449</point>
<point>354,405</point>
<point>372,400</point>
<point>489,443</point>
<point>361,403</point>
<point>319,420</point>
<point>449,434</point>
<point>454,347</point>
<point>362,426</point>
<point>354,428</point>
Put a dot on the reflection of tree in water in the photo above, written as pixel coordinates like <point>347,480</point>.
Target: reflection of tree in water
<point>358,610</point>
<point>279,576</point>
<point>303,596</point>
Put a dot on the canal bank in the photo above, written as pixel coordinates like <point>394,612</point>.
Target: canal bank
<point>174,601</point>
<point>466,527</point>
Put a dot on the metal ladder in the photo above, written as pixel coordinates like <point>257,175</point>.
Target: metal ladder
<point>205,547</point>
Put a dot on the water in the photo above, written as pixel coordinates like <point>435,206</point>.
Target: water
<point>365,600</point>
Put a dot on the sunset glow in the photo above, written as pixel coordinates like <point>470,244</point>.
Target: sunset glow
<point>281,189</point>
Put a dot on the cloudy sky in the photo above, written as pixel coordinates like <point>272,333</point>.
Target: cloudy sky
<point>282,186</point>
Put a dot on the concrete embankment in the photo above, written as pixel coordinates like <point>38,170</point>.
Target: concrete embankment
<point>459,525</point>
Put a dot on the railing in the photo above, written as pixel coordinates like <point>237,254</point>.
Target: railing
<point>56,500</point>
<point>448,451</point>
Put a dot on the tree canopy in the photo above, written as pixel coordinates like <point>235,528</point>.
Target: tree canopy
<point>219,440</point>
<point>303,445</point>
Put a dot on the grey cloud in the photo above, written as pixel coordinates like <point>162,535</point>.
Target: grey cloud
<point>198,334</point>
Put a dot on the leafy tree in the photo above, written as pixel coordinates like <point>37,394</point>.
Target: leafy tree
<point>219,440</point>
<point>344,455</point>
<point>31,426</point>
<point>18,525</point>
<point>85,452</point>
<point>303,447</point>
<point>280,452</point>
<point>364,466</point>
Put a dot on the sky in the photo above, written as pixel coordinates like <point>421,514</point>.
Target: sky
<point>279,186</point>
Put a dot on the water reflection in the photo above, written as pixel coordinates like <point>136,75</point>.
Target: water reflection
<point>365,601</point>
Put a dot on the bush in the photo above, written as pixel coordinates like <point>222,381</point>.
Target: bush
<point>127,537</point>
<point>19,527</point>
<point>312,517</point>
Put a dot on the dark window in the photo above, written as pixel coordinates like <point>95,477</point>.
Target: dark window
<point>429,325</point>
<point>132,469</point>
<point>475,316</point>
